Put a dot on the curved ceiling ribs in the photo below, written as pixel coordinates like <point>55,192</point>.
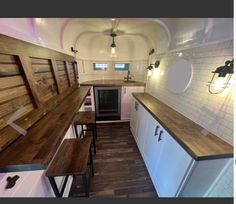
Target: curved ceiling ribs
<point>165,28</point>
<point>34,30</point>
<point>62,30</point>
<point>147,39</point>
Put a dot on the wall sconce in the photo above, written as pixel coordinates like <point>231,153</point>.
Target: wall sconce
<point>150,67</point>
<point>219,84</point>
<point>73,50</point>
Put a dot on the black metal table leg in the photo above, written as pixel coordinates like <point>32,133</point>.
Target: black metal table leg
<point>96,131</point>
<point>94,139</point>
<point>76,131</point>
<point>82,129</point>
<point>54,186</point>
<point>91,160</point>
<point>85,184</point>
<point>64,185</point>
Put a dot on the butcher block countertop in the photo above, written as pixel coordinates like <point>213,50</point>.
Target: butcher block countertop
<point>35,150</point>
<point>109,82</point>
<point>187,133</point>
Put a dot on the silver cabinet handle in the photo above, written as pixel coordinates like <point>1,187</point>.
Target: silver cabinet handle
<point>159,138</point>
<point>124,90</point>
<point>156,131</point>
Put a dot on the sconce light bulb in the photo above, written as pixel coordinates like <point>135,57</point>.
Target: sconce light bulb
<point>156,73</point>
<point>149,73</point>
<point>180,54</point>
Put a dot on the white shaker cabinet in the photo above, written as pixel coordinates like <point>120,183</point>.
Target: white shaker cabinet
<point>165,159</point>
<point>126,98</point>
<point>173,171</point>
<point>134,117</point>
<point>151,146</point>
<point>141,123</point>
<point>171,166</point>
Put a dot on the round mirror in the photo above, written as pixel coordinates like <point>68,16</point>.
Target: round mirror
<point>179,76</point>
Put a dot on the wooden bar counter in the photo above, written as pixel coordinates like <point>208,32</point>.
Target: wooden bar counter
<point>35,150</point>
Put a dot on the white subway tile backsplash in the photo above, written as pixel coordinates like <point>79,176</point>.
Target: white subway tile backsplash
<point>212,112</point>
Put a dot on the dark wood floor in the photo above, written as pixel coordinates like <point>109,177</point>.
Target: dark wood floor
<point>119,168</point>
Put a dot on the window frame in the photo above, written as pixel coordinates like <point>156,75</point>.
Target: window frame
<point>127,66</point>
<point>100,69</point>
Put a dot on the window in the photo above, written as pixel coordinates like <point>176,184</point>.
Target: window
<point>121,67</point>
<point>102,67</point>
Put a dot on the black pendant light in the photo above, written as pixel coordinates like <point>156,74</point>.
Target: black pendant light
<point>113,44</point>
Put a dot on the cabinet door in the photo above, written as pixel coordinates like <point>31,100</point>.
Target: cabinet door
<point>134,119</point>
<point>151,146</point>
<point>142,116</point>
<point>171,167</point>
<point>126,99</point>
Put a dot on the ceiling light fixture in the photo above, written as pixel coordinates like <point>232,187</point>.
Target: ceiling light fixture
<point>218,85</point>
<point>113,45</point>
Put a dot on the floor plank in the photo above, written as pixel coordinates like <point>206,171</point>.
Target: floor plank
<point>118,166</point>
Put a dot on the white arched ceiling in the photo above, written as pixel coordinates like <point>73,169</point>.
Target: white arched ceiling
<point>20,28</point>
<point>138,35</point>
<point>144,34</point>
<point>97,47</point>
<point>48,31</point>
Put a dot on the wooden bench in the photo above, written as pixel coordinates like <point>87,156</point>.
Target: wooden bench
<point>71,160</point>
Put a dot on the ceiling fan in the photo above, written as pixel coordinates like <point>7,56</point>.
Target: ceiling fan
<point>114,28</point>
<point>113,32</point>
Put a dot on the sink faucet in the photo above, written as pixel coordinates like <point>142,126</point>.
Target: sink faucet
<point>128,77</point>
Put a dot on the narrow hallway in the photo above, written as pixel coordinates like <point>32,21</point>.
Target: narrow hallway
<point>119,168</point>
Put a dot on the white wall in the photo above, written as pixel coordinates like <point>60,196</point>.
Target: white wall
<point>196,102</point>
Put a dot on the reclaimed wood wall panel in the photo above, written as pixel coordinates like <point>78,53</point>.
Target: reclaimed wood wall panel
<point>13,89</point>
<point>11,106</point>
<point>32,77</point>
<point>72,73</point>
<point>63,75</point>
<point>10,82</point>
<point>44,79</point>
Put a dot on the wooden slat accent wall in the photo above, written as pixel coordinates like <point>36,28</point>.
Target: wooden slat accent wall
<point>72,72</point>
<point>63,75</point>
<point>32,77</point>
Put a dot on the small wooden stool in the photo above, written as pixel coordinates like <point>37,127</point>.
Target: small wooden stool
<point>86,118</point>
<point>71,159</point>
